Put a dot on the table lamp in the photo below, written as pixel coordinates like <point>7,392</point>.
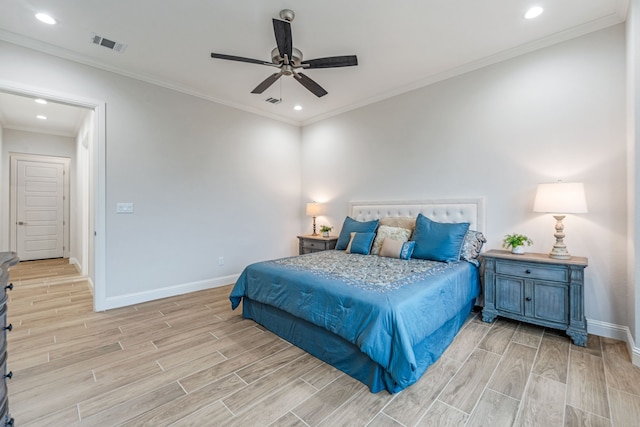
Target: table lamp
<point>314,209</point>
<point>560,198</point>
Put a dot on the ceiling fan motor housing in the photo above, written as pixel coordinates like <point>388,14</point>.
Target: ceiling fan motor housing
<point>295,60</point>
<point>287,15</point>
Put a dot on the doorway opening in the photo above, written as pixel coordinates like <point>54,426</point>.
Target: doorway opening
<point>84,244</point>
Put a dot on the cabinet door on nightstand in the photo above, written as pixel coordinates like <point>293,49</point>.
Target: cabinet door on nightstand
<point>551,302</point>
<point>509,294</point>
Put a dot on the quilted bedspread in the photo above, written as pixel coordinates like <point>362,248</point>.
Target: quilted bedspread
<point>385,306</point>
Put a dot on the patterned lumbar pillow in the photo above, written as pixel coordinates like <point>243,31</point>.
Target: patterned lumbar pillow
<point>397,248</point>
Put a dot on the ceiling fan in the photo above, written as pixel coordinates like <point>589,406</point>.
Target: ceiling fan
<point>288,59</point>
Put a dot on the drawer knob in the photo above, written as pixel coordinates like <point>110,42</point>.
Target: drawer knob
<point>527,271</point>
<point>9,328</point>
<point>9,375</point>
<point>10,287</point>
<point>528,299</point>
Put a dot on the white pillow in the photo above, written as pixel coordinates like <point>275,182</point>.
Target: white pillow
<point>395,233</point>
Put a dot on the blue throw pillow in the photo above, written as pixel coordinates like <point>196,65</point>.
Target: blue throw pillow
<point>407,250</point>
<point>349,226</point>
<point>361,243</point>
<point>438,241</point>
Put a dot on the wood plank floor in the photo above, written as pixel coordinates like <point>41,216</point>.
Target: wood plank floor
<point>191,361</point>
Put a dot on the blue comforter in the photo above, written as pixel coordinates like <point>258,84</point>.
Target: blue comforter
<point>384,306</point>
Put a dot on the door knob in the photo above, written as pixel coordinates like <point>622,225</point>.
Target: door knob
<point>22,223</point>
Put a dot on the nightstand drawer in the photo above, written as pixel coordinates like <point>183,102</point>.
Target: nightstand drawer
<point>314,244</point>
<point>533,271</point>
<point>310,243</point>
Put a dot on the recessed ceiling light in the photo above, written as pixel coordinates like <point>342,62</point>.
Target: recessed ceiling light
<point>41,117</point>
<point>43,17</point>
<point>534,12</point>
<point>40,101</point>
<point>298,107</point>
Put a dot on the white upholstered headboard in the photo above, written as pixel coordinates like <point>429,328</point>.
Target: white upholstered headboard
<point>443,210</point>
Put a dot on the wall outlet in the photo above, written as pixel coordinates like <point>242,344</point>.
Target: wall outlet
<point>221,260</point>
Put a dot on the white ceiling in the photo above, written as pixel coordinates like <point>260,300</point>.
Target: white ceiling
<point>19,112</point>
<point>401,45</point>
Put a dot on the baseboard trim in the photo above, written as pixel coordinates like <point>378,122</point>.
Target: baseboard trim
<point>616,332</point>
<point>608,330</point>
<point>91,287</point>
<point>169,291</point>
<point>633,350</point>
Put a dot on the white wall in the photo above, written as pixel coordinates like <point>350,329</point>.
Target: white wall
<point>206,180</point>
<point>18,141</point>
<point>3,219</point>
<point>557,113</point>
<point>81,209</point>
<point>633,174</point>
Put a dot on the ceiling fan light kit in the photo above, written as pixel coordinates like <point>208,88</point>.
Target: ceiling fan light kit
<point>288,59</point>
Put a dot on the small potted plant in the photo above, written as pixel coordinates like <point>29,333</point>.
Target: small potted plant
<point>325,229</point>
<point>516,242</point>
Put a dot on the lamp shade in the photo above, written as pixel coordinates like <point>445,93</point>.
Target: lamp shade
<point>561,198</point>
<point>315,209</point>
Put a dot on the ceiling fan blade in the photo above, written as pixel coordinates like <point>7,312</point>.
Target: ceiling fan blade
<point>313,87</point>
<point>282,31</point>
<point>331,62</point>
<point>266,83</point>
<point>239,59</point>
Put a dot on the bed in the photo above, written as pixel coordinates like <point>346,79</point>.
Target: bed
<point>383,320</point>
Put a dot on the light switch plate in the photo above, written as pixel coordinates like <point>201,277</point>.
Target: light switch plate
<point>124,208</point>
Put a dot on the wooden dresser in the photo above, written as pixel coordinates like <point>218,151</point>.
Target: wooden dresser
<point>7,259</point>
<point>536,289</point>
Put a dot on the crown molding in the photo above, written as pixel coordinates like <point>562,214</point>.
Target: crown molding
<point>57,51</point>
<point>622,9</point>
<point>504,55</point>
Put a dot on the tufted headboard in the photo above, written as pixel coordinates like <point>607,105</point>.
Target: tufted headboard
<point>443,210</point>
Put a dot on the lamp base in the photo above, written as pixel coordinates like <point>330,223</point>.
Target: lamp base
<point>559,250</point>
<point>558,254</point>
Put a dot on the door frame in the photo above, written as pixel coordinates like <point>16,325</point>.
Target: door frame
<point>97,174</point>
<point>14,158</point>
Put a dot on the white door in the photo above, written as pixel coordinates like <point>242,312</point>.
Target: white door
<point>40,204</point>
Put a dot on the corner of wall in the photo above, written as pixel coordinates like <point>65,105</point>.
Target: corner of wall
<point>633,177</point>
<point>3,240</point>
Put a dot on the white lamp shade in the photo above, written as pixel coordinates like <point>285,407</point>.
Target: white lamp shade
<point>315,209</point>
<point>561,198</point>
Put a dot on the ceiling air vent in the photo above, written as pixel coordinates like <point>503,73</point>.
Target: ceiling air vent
<point>109,44</point>
<point>273,100</point>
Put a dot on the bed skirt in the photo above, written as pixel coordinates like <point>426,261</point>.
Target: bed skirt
<point>344,355</point>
